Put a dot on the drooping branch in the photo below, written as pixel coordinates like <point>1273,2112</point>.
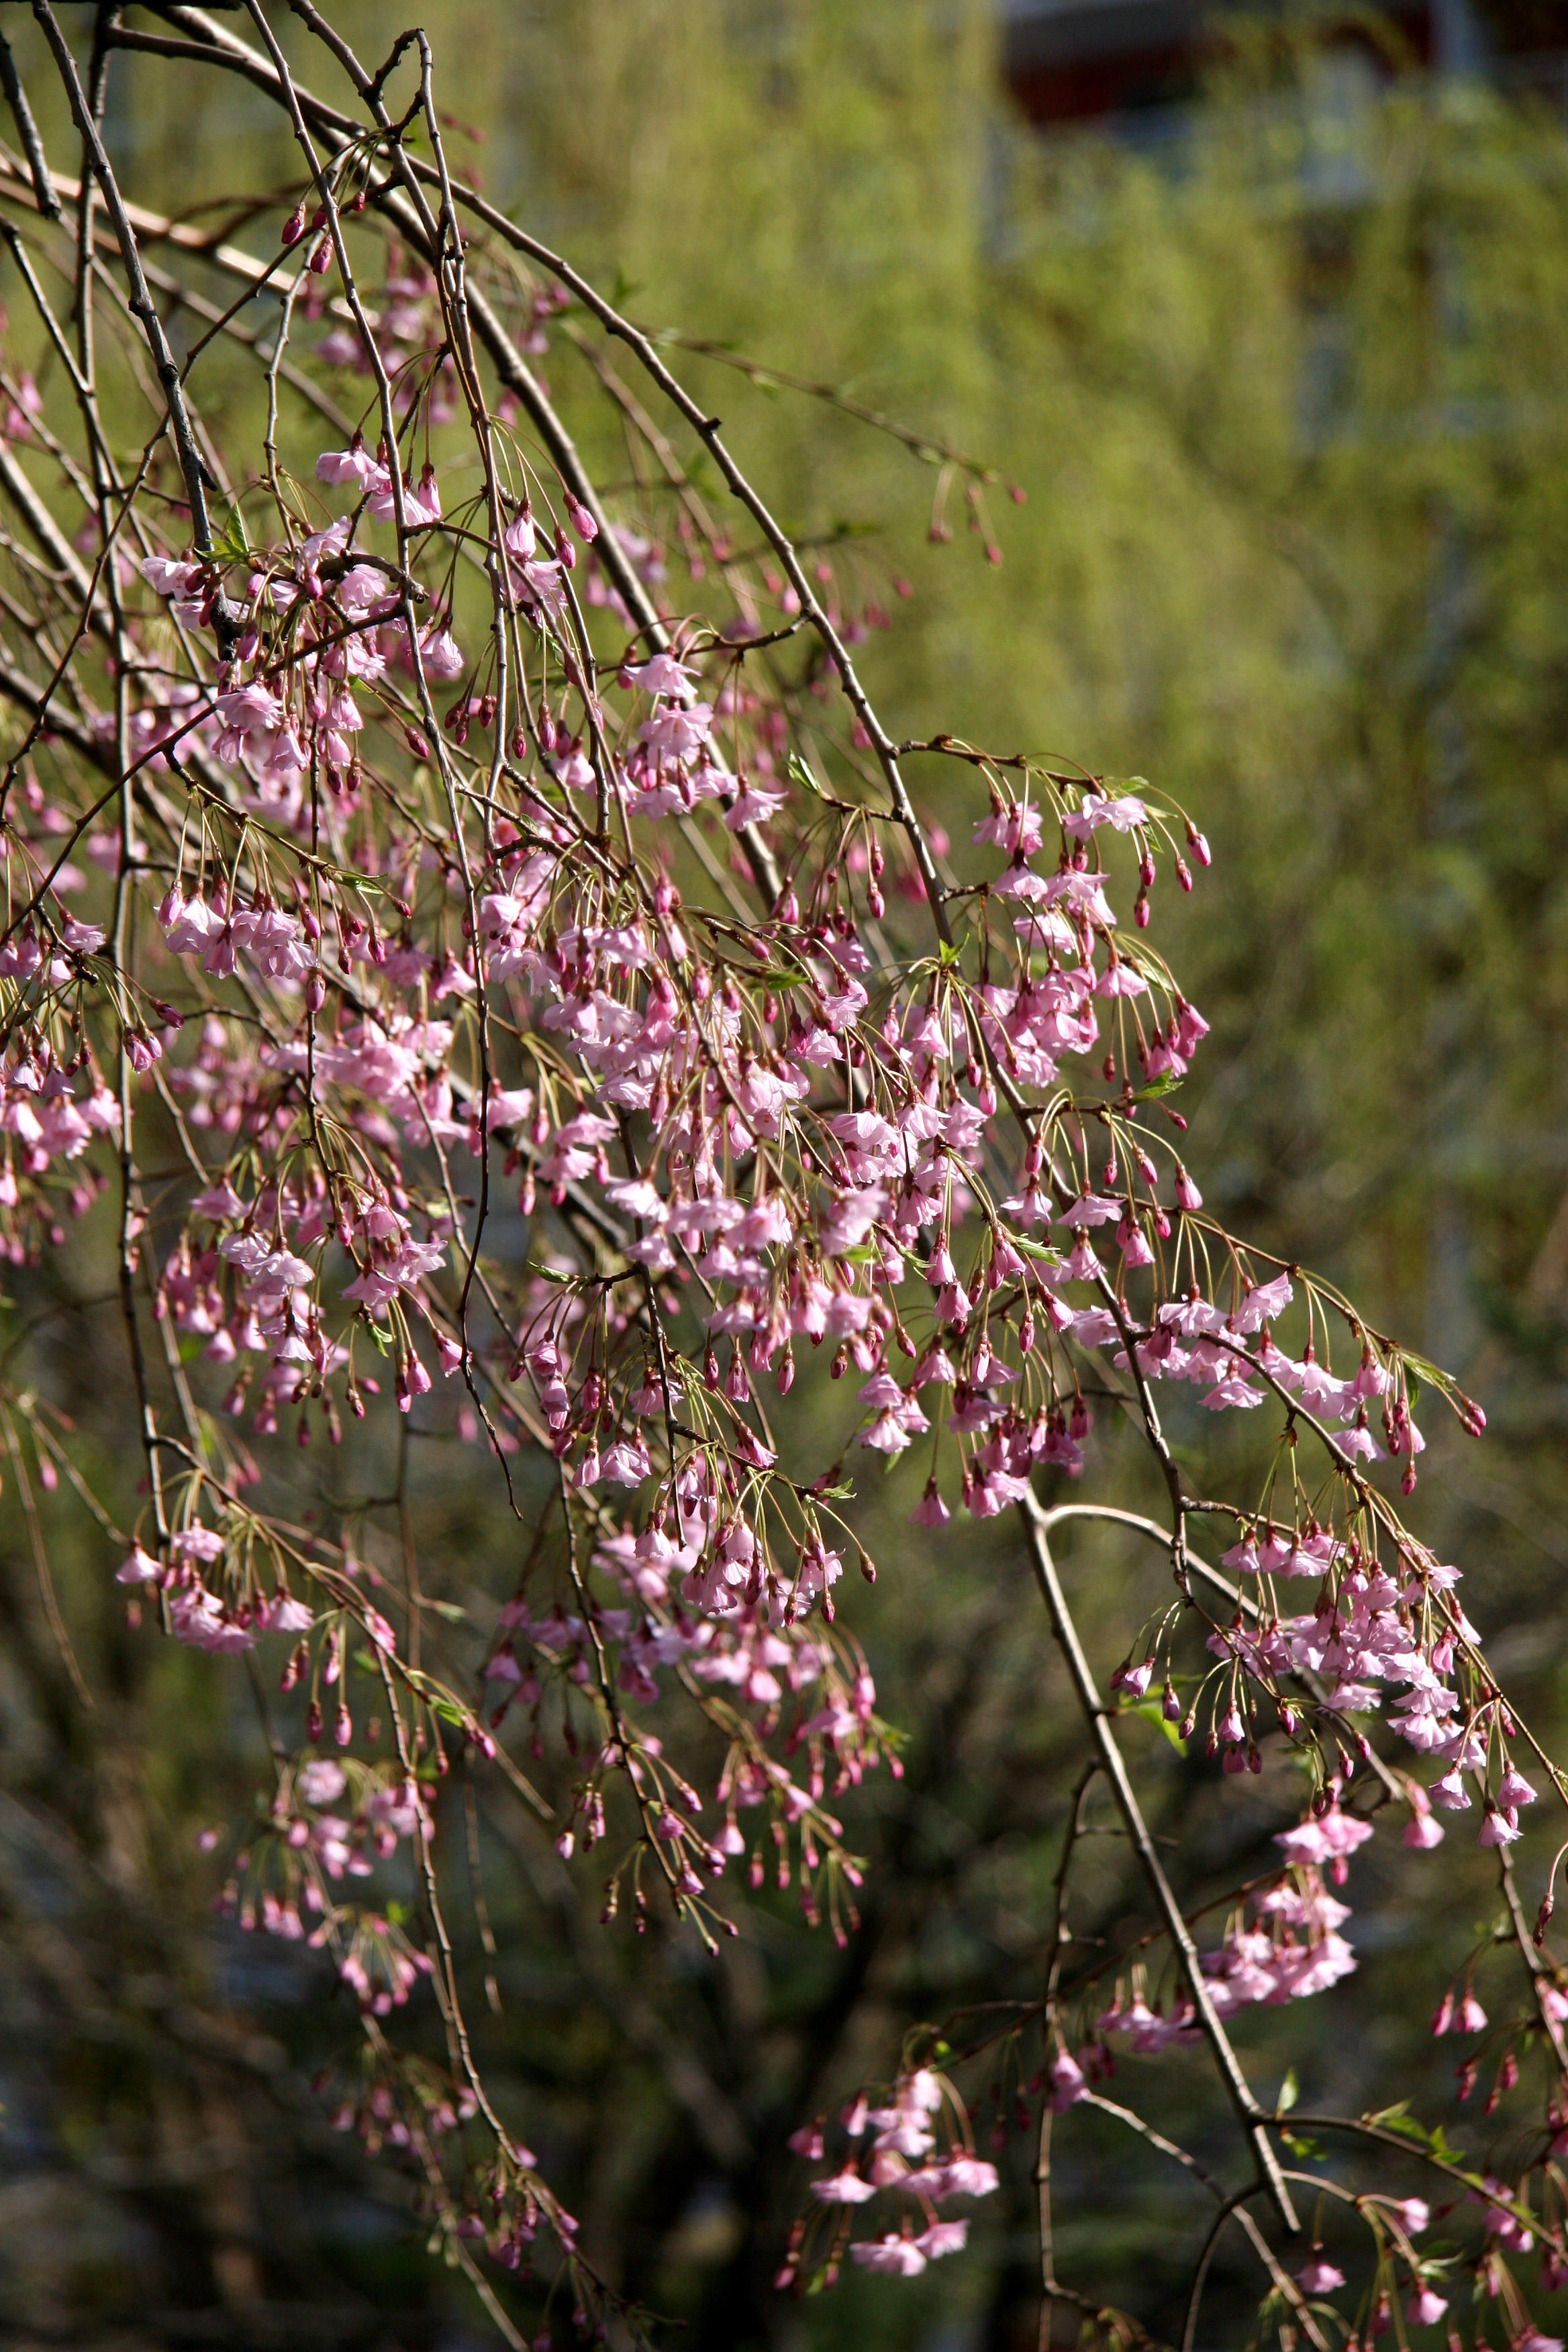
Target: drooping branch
<point>374,947</point>
<point>1252,2117</point>
<point>191,465</point>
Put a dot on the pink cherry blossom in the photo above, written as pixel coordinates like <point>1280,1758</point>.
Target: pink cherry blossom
<point>895,2257</point>
<point>1318,2276</point>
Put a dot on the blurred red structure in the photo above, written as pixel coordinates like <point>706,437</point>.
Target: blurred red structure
<point>1070,61</point>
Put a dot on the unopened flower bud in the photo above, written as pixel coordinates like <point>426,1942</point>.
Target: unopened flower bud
<point>581,521</point>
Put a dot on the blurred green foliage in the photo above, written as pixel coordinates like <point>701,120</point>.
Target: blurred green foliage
<point>1286,396</point>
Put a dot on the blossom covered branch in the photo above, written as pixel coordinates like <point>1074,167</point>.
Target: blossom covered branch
<point>564,1025</point>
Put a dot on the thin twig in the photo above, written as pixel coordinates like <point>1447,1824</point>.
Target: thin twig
<point>1252,2117</point>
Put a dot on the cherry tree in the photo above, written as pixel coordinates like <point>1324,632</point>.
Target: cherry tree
<point>506,1086</point>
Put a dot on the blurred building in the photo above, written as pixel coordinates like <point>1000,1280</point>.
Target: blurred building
<point>1138,64</point>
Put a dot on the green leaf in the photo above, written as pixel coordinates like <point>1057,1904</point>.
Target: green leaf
<point>230,545</point>
<point>1046,1250</point>
<point>1166,1083</point>
<point>454,1614</point>
<point>1302,2148</point>
<point>1289,2092</point>
<point>1397,2119</point>
<point>1153,1712</point>
<point>801,774</point>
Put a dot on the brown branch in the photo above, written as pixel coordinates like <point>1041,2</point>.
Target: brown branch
<point>27,131</point>
<point>141,300</point>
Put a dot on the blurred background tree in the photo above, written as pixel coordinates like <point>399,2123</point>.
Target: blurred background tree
<point>1279,365</point>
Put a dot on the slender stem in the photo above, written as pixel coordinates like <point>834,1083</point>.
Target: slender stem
<point>1284,2284</point>
<point>1238,2198</point>
<point>27,131</point>
<point>1252,2117</point>
<point>1059,1940</point>
<point>142,304</point>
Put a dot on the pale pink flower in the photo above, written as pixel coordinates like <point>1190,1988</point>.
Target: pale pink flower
<point>931,1511</point>
<point>1333,1833</point>
<point>353,464</point>
<point>1067,2084</point>
<point>1318,2276</point>
<point>845,2187</point>
<point>897,2257</point>
<point>967,2176</point>
<point>441,654</point>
